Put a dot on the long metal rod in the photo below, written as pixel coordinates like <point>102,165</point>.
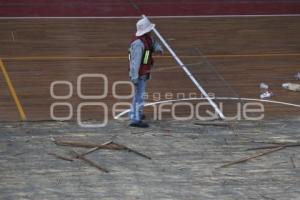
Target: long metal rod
<point>182,65</point>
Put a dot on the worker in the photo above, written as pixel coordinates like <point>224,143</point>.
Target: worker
<point>140,64</point>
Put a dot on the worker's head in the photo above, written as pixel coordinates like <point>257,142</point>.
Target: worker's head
<point>143,26</point>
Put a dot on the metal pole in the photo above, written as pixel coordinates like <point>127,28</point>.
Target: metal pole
<point>182,65</point>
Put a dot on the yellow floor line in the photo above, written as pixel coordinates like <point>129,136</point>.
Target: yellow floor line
<point>12,91</point>
<point>30,58</point>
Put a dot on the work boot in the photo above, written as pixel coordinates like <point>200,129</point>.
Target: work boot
<point>143,117</point>
<point>139,124</point>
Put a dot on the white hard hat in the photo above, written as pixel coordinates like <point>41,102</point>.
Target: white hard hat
<point>143,26</point>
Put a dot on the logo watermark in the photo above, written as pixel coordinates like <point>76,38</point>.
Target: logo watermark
<point>178,106</point>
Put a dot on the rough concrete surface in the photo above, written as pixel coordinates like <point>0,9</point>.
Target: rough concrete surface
<point>186,160</point>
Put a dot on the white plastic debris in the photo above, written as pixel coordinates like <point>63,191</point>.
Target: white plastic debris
<point>266,95</point>
<point>264,89</point>
<point>286,85</point>
<point>297,76</point>
<point>291,86</point>
<point>263,86</point>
